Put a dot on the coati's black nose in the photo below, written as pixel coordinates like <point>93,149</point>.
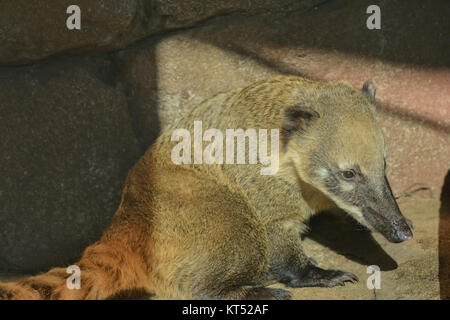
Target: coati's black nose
<point>392,225</point>
<point>402,232</point>
<point>403,236</point>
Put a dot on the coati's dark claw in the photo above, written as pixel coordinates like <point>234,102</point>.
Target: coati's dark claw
<point>316,277</point>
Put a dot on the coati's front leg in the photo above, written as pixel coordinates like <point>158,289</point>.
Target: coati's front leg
<point>290,265</point>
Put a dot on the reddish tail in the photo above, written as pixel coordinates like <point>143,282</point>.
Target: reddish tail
<point>107,271</point>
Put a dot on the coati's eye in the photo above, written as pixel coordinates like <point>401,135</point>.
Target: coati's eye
<point>348,174</point>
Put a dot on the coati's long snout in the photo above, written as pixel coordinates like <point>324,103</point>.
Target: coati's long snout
<point>383,214</point>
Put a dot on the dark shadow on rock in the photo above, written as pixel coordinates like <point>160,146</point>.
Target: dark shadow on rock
<point>406,34</point>
<point>69,145</point>
<point>444,240</point>
<point>137,84</point>
<point>340,233</point>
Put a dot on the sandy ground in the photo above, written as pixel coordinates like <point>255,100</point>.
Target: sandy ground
<point>409,270</point>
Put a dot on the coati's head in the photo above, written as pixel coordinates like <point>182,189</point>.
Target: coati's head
<point>336,146</point>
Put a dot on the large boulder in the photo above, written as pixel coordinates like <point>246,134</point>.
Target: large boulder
<point>33,30</point>
<point>67,145</point>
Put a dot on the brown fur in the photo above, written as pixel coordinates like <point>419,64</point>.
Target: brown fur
<point>217,231</point>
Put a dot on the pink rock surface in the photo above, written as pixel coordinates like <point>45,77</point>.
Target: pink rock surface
<point>407,60</point>
<point>414,110</point>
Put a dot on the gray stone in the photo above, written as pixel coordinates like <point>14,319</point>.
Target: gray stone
<point>33,30</point>
<point>67,145</point>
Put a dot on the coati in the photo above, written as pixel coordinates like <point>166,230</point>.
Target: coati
<point>199,231</point>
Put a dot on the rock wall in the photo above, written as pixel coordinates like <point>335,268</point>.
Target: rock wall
<point>67,145</point>
<point>33,30</point>
<point>79,107</point>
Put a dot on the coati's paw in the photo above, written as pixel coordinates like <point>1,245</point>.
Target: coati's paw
<point>263,293</point>
<point>317,277</point>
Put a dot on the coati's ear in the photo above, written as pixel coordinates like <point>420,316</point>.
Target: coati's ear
<point>297,118</point>
<point>369,90</point>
